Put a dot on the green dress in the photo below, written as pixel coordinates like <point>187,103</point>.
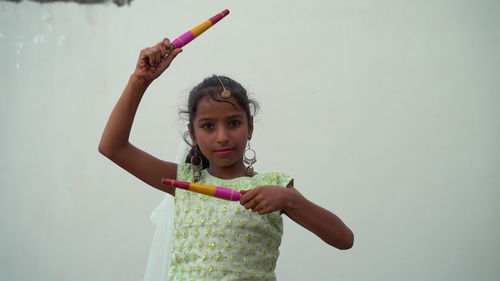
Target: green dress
<point>215,239</point>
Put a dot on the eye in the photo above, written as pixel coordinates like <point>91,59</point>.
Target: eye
<point>207,126</point>
<point>234,123</point>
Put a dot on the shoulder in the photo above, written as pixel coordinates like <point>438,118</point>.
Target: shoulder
<point>274,178</point>
<point>185,172</point>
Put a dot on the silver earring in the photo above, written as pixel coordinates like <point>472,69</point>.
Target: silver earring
<point>196,167</point>
<point>249,158</point>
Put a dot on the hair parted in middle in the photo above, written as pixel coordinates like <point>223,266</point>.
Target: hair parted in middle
<point>212,88</point>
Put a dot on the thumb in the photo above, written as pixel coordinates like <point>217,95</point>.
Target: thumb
<point>165,63</point>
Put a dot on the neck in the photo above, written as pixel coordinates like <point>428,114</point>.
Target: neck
<point>230,172</point>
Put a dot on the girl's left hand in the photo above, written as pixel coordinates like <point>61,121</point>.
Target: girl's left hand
<point>265,199</point>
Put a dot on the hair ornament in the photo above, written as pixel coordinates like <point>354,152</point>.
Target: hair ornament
<point>225,92</point>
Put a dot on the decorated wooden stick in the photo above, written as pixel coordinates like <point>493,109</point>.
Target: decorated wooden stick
<point>189,35</point>
<point>210,190</point>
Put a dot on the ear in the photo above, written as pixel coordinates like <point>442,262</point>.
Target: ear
<point>250,128</point>
<point>192,134</point>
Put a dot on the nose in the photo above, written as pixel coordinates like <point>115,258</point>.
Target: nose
<point>222,136</point>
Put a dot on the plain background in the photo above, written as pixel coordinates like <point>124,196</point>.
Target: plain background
<point>385,112</point>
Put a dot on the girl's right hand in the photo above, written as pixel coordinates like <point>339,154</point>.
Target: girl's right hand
<point>154,60</point>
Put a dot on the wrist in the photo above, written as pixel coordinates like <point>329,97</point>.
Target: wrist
<point>139,81</point>
<point>293,199</point>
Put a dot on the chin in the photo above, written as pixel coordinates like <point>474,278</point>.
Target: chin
<point>224,164</point>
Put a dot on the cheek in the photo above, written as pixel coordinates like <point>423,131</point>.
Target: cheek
<point>242,136</point>
<point>204,146</point>
<point>201,137</point>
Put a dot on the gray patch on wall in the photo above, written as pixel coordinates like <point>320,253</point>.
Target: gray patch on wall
<point>117,2</point>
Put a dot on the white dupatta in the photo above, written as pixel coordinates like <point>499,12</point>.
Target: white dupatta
<point>163,217</point>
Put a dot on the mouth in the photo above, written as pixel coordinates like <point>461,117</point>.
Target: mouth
<point>225,151</point>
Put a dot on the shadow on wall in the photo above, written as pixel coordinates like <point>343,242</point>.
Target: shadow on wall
<point>117,2</point>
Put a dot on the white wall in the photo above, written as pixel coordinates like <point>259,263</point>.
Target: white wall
<point>386,112</point>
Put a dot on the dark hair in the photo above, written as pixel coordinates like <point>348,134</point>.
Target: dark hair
<point>211,87</point>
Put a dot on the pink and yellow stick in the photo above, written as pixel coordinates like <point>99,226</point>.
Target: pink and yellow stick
<point>189,35</point>
<point>210,190</point>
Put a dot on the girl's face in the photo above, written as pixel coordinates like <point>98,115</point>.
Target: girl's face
<point>221,130</point>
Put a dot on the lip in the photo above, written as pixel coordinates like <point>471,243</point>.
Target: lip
<point>225,151</point>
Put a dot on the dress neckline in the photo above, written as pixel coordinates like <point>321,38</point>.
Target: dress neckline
<point>205,173</point>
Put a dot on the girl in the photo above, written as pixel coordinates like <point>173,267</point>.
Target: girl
<point>216,239</point>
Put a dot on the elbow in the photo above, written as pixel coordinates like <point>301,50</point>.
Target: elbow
<point>105,150</point>
<point>112,152</point>
<point>102,149</point>
<point>346,242</point>
<point>346,245</point>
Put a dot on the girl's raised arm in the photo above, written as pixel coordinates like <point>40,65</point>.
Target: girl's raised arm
<point>115,143</point>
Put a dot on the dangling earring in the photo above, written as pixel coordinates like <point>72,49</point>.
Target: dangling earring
<point>196,167</point>
<point>249,161</point>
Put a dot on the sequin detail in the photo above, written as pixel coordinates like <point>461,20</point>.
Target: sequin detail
<point>216,239</point>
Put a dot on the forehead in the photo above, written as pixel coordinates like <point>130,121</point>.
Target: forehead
<point>209,108</point>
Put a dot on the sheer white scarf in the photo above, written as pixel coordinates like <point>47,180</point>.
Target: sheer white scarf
<point>163,217</point>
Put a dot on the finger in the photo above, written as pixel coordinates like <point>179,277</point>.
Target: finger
<point>166,41</point>
<point>149,56</point>
<point>142,60</point>
<point>163,50</point>
<point>169,58</point>
<point>166,46</point>
<point>154,58</point>
<point>250,204</point>
<point>265,211</point>
<point>258,199</point>
<point>158,54</point>
<point>248,195</point>
<point>242,192</point>
<point>172,54</point>
<point>259,207</point>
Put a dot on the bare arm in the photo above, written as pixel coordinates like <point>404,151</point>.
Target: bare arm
<point>115,143</point>
<point>318,220</point>
<point>323,223</point>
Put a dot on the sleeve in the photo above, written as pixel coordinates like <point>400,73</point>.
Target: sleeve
<point>281,179</point>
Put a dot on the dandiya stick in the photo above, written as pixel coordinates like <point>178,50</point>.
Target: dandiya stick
<point>210,190</point>
<point>189,35</point>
